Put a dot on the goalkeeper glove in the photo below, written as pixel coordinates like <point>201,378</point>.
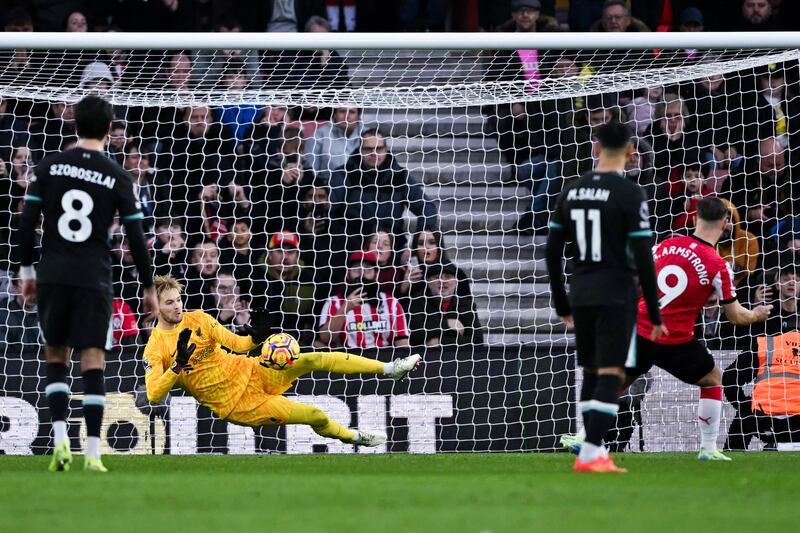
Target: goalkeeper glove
<point>260,326</point>
<point>184,350</point>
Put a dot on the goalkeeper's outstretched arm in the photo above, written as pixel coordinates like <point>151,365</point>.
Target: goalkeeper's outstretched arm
<point>156,380</point>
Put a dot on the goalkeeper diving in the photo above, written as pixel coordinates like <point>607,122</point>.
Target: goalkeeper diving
<point>186,350</point>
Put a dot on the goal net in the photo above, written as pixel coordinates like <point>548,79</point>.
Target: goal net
<point>264,173</point>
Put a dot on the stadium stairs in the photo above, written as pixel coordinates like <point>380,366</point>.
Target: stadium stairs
<point>472,186</point>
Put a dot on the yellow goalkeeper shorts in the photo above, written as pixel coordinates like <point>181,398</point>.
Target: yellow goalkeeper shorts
<point>262,403</point>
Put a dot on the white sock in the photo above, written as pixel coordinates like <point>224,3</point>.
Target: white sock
<point>388,368</point>
<point>581,434</point>
<point>350,18</point>
<point>590,452</point>
<point>356,437</point>
<point>93,447</point>
<point>60,430</point>
<point>708,415</point>
<point>333,16</point>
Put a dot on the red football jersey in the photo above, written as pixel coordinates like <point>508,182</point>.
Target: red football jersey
<point>688,271</point>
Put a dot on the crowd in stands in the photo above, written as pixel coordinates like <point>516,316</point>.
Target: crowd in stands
<point>302,211</point>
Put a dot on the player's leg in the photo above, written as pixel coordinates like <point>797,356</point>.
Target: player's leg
<point>54,315</point>
<point>94,403</point>
<point>57,392</point>
<point>614,349</point>
<point>693,364</point>
<point>91,333</point>
<point>325,426</point>
<point>345,363</point>
<point>644,362</point>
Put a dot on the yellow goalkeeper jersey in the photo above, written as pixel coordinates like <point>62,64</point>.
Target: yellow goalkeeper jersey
<point>215,377</point>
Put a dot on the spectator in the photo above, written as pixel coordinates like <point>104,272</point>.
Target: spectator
<point>334,143</point>
<point>195,157</point>
<point>123,271</point>
<point>285,288</point>
<point>772,412</point>
<point>685,203</point>
<point>117,141</point>
<point>598,110</point>
<point>780,291</point>
<point>16,64</point>
<point>169,249</point>
<point>201,275</point>
<point>97,78</point>
<point>374,190</point>
<point>674,140</point>
<point>59,128</point>
<point>583,14</point>
<point>640,169</point>
<point>144,184</point>
<point>13,131</point>
<point>764,195</point>
<point>641,111</point>
<point>319,69</point>
<point>441,317</point>
<point>173,74</point>
<point>19,322</point>
<point>76,22</point>
<point>617,18</point>
<point>125,329</point>
<point>218,207</point>
<point>758,15</point>
<point>433,19</point>
<point>262,147</point>
<point>658,14</point>
<point>362,316</point>
<point>718,114</point>
<point>210,66</point>
<point>427,251</point>
<point>738,247</point>
<point>282,209</point>
<point>390,277</point>
<point>236,119</point>
<point>324,241</point>
<point>334,9</point>
<point>238,255</point>
<point>290,15</point>
<point>771,110</point>
<point>520,65</point>
<point>230,309</point>
<point>690,20</point>
<point>713,328</point>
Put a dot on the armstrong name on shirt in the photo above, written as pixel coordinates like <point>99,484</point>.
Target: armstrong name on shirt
<point>694,259</point>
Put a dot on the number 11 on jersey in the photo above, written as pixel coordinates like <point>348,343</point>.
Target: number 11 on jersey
<point>579,216</point>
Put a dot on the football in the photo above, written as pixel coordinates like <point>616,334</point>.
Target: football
<point>279,351</point>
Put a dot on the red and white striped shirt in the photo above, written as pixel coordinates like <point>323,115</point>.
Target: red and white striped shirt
<point>367,326</point>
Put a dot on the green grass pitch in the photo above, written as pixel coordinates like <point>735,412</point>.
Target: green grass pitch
<point>757,492</point>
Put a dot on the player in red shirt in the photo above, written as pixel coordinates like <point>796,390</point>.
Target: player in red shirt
<point>688,271</point>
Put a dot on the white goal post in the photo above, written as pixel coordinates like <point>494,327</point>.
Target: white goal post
<point>485,126</point>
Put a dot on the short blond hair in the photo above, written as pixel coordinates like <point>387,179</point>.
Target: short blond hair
<point>165,283</point>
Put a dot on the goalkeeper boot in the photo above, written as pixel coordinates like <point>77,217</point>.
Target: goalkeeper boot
<point>602,465</point>
<point>370,438</point>
<point>716,455</point>
<point>401,367</point>
<point>93,464</point>
<point>62,458</point>
<point>572,443</point>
